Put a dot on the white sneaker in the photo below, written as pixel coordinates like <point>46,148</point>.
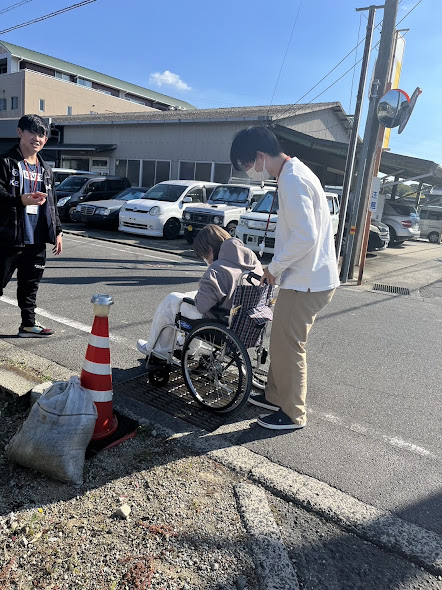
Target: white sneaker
<point>141,345</point>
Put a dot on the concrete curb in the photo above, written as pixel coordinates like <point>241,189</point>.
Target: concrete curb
<point>272,562</point>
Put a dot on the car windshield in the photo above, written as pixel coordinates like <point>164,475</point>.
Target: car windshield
<point>230,194</point>
<point>265,203</point>
<point>131,193</point>
<point>72,184</point>
<point>165,192</point>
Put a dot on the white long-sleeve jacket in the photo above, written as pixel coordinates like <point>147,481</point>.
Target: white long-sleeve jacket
<point>304,255</point>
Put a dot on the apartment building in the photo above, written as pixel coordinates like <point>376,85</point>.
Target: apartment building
<point>32,82</point>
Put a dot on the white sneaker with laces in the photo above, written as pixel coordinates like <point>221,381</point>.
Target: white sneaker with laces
<point>141,346</point>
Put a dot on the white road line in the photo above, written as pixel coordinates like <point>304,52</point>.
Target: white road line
<point>394,441</point>
<point>68,322</point>
<point>140,251</point>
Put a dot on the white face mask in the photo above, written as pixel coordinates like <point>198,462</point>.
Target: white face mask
<point>253,174</point>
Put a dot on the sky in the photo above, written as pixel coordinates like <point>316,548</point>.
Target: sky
<point>242,53</point>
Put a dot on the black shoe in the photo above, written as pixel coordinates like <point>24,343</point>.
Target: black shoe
<point>259,399</point>
<point>279,421</point>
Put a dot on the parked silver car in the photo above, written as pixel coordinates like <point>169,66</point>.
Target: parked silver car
<point>431,223</point>
<point>402,221</point>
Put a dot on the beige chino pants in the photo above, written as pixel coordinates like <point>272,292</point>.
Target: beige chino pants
<point>293,317</point>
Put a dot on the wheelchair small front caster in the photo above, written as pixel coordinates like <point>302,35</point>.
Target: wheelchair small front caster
<point>159,376</point>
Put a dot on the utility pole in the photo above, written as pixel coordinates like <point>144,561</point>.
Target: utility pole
<point>372,127</point>
<point>349,165</point>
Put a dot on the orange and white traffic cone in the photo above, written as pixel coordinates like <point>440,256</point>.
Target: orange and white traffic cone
<point>96,376</point>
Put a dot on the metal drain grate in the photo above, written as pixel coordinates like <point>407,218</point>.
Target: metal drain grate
<point>391,289</point>
<point>173,398</point>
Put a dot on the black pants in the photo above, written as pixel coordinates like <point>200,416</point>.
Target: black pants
<point>29,261</point>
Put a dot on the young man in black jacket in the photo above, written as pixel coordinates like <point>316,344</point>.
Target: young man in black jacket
<point>28,219</point>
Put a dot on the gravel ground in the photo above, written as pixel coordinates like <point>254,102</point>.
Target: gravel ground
<point>183,530</point>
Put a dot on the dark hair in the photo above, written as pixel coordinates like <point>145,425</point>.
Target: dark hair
<point>34,124</point>
<point>249,141</point>
<point>209,239</point>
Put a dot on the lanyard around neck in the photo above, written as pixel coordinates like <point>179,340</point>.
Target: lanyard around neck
<point>33,189</point>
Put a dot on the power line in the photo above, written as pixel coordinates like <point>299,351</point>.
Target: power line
<point>45,17</point>
<point>14,6</point>
<point>354,69</point>
<point>415,6</point>
<point>337,65</point>
<point>285,54</point>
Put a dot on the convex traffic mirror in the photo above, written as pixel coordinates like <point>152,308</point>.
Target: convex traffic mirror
<point>392,108</point>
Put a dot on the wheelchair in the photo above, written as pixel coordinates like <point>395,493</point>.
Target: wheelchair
<point>221,359</point>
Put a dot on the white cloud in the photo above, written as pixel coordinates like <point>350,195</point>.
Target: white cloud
<point>168,79</point>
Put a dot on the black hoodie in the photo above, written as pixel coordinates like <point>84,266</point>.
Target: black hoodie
<point>11,207</point>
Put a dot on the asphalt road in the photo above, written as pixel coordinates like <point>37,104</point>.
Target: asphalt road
<point>374,371</point>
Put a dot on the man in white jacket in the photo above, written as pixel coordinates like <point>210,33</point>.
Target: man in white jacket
<point>304,265</point>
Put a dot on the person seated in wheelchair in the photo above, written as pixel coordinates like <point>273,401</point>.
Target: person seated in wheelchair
<point>227,258</point>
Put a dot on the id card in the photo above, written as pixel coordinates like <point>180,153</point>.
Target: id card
<point>32,209</point>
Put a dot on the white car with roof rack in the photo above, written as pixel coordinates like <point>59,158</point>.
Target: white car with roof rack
<point>252,224</point>
<point>226,205</point>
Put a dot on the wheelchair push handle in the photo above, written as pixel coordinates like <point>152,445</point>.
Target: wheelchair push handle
<point>251,275</point>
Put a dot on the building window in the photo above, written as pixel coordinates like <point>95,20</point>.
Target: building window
<point>14,103</point>
<point>2,104</point>
<point>76,163</point>
<point>203,171</point>
<point>3,66</point>
<point>155,171</point>
<point>222,172</point>
<point>42,105</point>
<point>64,77</point>
<point>83,82</point>
<point>69,111</point>
<point>133,172</point>
<point>120,167</point>
<point>187,171</point>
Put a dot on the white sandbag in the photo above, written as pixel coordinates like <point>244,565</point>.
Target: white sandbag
<point>54,437</point>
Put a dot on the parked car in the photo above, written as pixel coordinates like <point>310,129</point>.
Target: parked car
<point>225,207</point>
<point>106,212</point>
<point>77,189</point>
<point>252,224</point>
<point>160,211</point>
<point>379,237</point>
<point>431,223</point>
<point>402,221</point>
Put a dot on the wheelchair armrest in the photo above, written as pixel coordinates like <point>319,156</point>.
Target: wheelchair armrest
<point>188,300</point>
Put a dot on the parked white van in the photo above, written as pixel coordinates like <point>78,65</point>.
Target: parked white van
<point>160,211</point>
<point>252,224</point>
<point>431,223</point>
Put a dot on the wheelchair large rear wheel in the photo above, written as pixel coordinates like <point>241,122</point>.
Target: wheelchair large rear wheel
<point>216,368</point>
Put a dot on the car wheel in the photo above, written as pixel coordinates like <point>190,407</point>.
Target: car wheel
<point>71,212</point>
<point>171,229</point>
<point>433,237</point>
<point>189,236</point>
<point>231,228</point>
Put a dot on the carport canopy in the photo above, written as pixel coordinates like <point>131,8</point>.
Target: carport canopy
<point>327,158</point>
